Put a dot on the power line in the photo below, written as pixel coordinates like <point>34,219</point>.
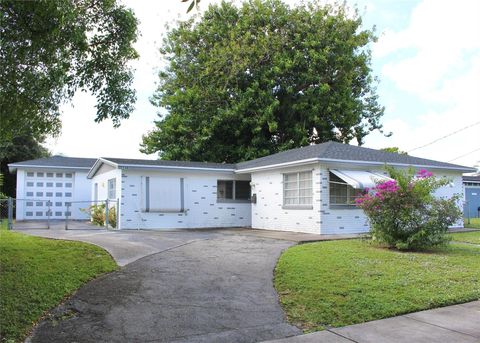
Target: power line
<point>446,136</point>
<point>468,153</point>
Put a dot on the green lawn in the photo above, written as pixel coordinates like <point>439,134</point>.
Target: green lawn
<point>474,223</point>
<point>337,283</point>
<point>467,237</point>
<point>36,274</point>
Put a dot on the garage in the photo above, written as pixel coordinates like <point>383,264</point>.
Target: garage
<point>52,187</point>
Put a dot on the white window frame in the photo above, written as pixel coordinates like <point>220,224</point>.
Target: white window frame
<point>297,202</point>
<point>112,189</point>
<point>234,192</point>
<point>350,198</point>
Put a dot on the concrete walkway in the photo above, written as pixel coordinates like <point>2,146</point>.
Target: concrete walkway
<point>457,323</point>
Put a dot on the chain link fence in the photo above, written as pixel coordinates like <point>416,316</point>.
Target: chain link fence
<point>25,214</point>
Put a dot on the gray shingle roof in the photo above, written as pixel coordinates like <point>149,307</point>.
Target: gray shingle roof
<point>164,163</point>
<point>345,152</point>
<point>58,161</point>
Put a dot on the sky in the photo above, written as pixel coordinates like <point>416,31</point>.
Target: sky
<point>427,59</point>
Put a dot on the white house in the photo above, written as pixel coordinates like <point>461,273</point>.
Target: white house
<point>59,180</point>
<point>310,189</point>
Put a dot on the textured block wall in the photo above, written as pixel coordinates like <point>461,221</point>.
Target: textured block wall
<point>200,202</point>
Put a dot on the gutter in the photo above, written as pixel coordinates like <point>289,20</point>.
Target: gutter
<point>331,160</point>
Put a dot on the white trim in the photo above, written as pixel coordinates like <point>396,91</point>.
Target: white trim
<point>317,159</point>
<point>22,166</point>
<point>126,166</point>
<point>97,165</point>
<point>278,165</point>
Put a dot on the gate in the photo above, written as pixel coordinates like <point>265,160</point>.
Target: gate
<point>40,214</point>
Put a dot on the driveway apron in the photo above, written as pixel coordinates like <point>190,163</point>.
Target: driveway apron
<point>218,289</point>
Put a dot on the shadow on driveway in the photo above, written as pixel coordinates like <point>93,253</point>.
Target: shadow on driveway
<point>202,286</point>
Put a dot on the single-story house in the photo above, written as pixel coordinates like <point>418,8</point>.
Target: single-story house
<point>471,184</point>
<point>310,189</point>
<point>59,180</point>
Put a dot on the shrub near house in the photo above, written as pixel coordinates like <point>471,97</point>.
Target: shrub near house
<point>405,214</point>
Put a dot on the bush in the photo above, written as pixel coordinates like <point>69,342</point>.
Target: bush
<point>98,215</point>
<point>404,213</point>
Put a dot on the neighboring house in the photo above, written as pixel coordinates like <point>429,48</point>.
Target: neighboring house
<point>310,189</point>
<point>58,179</point>
<point>471,184</point>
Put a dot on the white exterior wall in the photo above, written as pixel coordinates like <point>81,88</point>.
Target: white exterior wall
<point>20,205</point>
<point>340,220</point>
<point>268,213</point>
<point>200,202</point>
<point>80,191</point>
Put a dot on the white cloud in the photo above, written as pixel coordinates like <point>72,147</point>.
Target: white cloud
<point>442,74</point>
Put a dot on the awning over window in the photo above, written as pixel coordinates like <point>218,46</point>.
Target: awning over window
<point>360,179</point>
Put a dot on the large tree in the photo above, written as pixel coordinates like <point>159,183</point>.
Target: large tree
<point>51,49</point>
<point>20,148</point>
<point>244,82</point>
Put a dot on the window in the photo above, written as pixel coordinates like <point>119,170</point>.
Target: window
<point>342,193</point>
<point>68,213</point>
<point>242,190</point>
<point>39,214</point>
<point>68,194</point>
<point>49,184</point>
<point>58,194</point>
<point>58,214</point>
<point>49,174</point>
<point>29,203</point>
<point>29,214</point>
<point>39,203</point>
<point>39,194</point>
<point>49,194</point>
<point>224,189</point>
<point>39,174</point>
<point>233,190</point>
<point>68,203</point>
<point>30,174</point>
<point>29,194</point>
<point>68,175</point>
<point>59,175</point>
<point>112,184</point>
<point>68,185</point>
<point>39,184</point>
<point>29,184</point>
<point>58,184</point>
<point>297,189</point>
<point>58,203</point>
<point>163,194</point>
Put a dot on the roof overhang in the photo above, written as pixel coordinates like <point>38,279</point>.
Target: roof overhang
<point>98,163</point>
<point>350,162</point>
<point>126,166</point>
<point>12,167</point>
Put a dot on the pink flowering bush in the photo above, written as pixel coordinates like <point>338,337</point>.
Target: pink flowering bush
<point>403,212</point>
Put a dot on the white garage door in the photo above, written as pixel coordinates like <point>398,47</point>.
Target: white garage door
<point>44,187</point>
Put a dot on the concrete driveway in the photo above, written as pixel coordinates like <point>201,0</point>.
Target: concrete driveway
<point>190,286</point>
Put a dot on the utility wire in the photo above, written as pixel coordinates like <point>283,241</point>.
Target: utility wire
<point>443,137</point>
<point>468,153</point>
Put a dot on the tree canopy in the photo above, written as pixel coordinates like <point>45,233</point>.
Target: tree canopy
<point>244,82</point>
<point>20,148</point>
<point>51,49</point>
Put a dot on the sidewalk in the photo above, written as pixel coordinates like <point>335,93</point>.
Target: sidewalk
<point>457,323</point>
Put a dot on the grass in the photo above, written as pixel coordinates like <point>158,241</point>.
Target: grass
<point>338,283</point>
<point>36,274</point>
<point>474,223</point>
<point>467,237</point>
